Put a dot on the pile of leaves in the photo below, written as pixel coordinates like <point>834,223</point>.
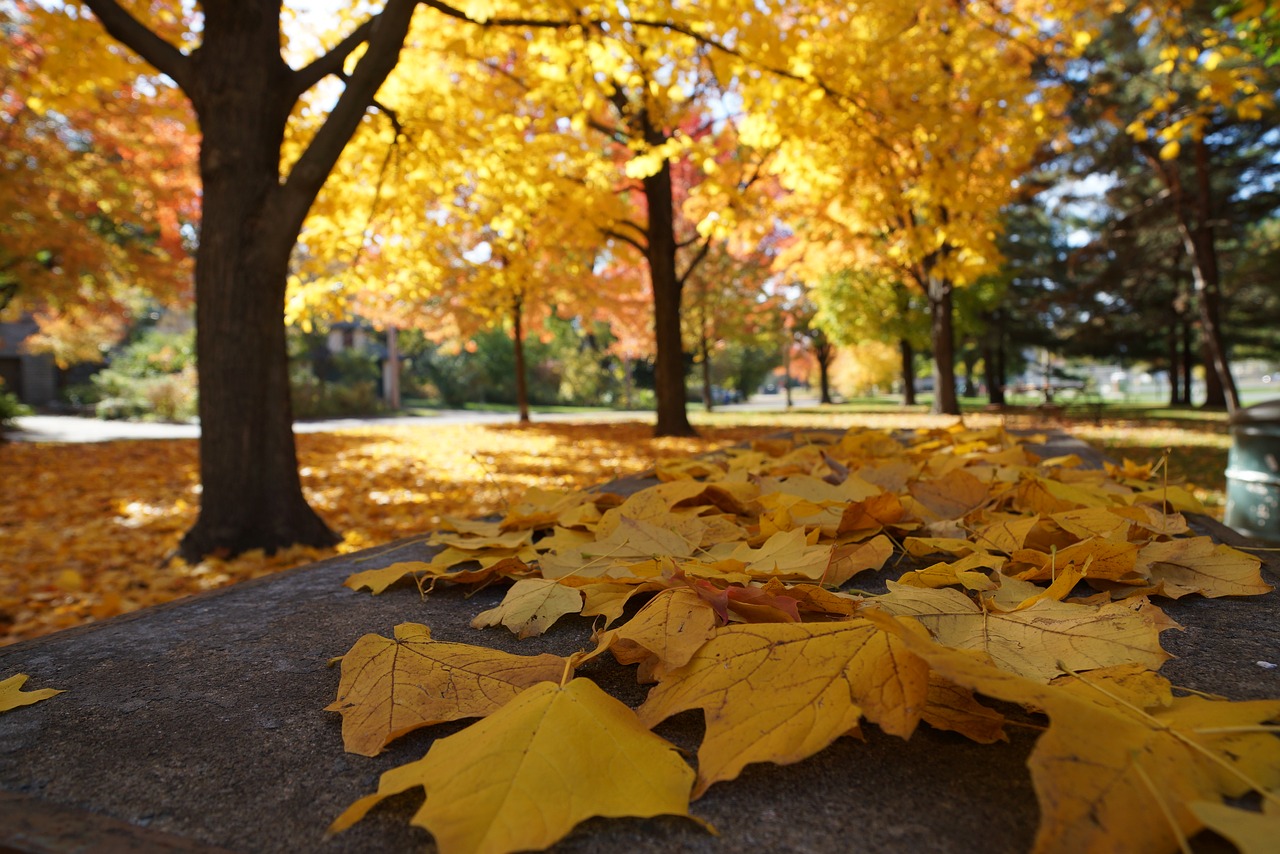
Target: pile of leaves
<point>88,531</point>
<point>728,584</point>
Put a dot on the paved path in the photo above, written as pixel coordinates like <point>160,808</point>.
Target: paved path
<point>68,428</point>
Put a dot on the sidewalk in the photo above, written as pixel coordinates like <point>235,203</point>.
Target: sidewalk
<point>70,428</point>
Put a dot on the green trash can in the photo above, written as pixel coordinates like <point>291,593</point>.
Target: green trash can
<point>1253,472</point>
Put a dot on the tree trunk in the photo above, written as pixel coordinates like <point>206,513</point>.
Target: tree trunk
<point>251,495</point>
<point>708,403</point>
<point>522,378</point>
<point>243,93</point>
<point>1215,394</point>
<point>944,369</point>
<point>1188,361</point>
<point>668,372</point>
<point>908,372</point>
<point>1175,380</point>
<point>1201,247</point>
<point>993,359</point>
<point>391,369</point>
<point>824,353</point>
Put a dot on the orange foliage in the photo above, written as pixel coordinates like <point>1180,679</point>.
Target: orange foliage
<point>86,530</point>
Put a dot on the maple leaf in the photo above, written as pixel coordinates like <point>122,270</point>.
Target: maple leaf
<point>1112,774</point>
<point>392,686</point>
<point>531,606</point>
<point>12,696</point>
<point>666,632</point>
<point>1197,565</point>
<point>1037,642</point>
<point>951,496</point>
<point>786,554</point>
<point>780,692</point>
<point>1251,832</point>
<point>523,777</point>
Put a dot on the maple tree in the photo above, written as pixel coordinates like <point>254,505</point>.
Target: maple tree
<point>743,558</point>
<point>99,187</point>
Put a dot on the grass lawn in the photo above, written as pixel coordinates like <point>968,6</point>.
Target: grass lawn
<point>86,531</point>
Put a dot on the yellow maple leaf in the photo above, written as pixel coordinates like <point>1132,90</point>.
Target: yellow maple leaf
<point>966,572</point>
<point>1197,565</point>
<point>1111,774</point>
<point>378,580</point>
<point>1037,642</point>
<point>392,686</point>
<point>952,708</point>
<point>523,777</point>
<point>666,632</point>
<point>853,558</point>
<point>780,692</point>
<point>951,496</point>
<point>12,696</point>
<point>531,606</point>
<point>1251,832</point>
<point>786,554</point>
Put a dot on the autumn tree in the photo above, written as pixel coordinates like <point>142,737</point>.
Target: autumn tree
<point>99,184</point>
<point>910,177</point>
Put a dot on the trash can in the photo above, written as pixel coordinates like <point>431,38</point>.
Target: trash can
<point>1253,472</point>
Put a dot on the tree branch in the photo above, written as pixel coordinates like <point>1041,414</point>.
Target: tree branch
<point>695,261</point>
<point>386,37</point>
<point>617,235</point>
<point>332,62</point>
<point>132,33</point>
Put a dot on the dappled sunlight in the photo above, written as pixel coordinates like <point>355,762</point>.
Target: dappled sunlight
<point>88,531</point>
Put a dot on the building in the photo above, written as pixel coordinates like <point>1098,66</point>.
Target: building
<point>33,378</point>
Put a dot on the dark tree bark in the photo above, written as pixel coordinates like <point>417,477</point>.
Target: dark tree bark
<point>668,369</point>
<point>1215,394</point>
<point>1188,361</point>
<point>993,359</point>
<point>908,354</point>
<point>824,353</point>
<point>704,346</point>
<point>1196,228</point>
<point>944,351</point>
<point>243,92</point>
<point>1175,362</point>
<point>522,371</point>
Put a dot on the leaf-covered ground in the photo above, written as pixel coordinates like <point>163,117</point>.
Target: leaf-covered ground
<point>87,531</point>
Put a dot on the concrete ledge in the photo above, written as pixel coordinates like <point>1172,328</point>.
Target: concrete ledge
<point>199,725</point>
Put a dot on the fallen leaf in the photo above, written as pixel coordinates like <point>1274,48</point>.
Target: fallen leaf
<point>952,708</point>
<point>1111,775</point>
<point>951,496</point>
<point>523,777</point>
<point>1197,565</point>
<point>12,696</point>
<point>1250,832</point>
<point>1039,642</point>
<point>393,686</point>
<point>378,580</point>
<point>669,629</point>
<point>780,692</point>
<point>531,606</point>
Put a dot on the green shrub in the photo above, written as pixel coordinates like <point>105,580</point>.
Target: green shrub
<point>10,408</point>
<point>153,376</point>
<point>312,398</point>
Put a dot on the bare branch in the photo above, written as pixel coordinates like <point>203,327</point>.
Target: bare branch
<point>132,33</point>
<point>617,235</point>
<point>385,39</point>
<point>332,62</point>
<point>695,261</point>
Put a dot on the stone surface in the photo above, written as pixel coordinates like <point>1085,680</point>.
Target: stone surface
<point>199,725</point>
